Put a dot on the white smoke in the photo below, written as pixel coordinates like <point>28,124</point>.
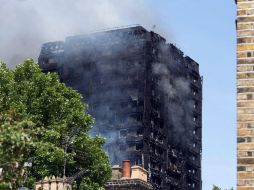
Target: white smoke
<point>177,90</point>
<point>26,24</point>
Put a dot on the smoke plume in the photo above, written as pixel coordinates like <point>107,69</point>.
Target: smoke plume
<point>177,92</point>
<point>26,24</point>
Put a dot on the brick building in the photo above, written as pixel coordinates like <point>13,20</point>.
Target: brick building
<point>145,95</point>
<point>134,178</point>
<point>245,94</point>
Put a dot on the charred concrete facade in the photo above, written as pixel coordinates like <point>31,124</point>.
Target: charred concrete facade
<point>245,94</point>
<point>145,95</point>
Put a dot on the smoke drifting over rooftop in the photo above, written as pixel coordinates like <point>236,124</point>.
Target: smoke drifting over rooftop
<point>26,24</point>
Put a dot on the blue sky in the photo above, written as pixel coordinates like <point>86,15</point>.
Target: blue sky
<point>205,30</point>
<point>202,29</point>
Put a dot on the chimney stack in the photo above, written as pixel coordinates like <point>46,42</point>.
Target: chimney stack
<point>126,169</point>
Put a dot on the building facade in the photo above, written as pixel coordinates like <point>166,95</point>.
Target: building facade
<point>126,177</point>
<point>145,96</point>
<point>53,183</point>
<point>245,94</point>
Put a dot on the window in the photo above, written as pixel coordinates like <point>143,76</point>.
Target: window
<point>139,117</point>
<point>140,132</point>
<point>122,148</point>
<point>123,133</point>
<point>153,92</point>
<point>139,146</point>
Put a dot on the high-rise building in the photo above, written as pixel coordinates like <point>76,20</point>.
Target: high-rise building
<point>145,96</point>
<point>245,94</point>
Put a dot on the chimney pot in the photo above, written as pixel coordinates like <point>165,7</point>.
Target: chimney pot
<point>126,169</point>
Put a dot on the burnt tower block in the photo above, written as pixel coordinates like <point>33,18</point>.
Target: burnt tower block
<point>145,96</point>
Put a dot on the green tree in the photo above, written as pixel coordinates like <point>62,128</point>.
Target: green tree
<point>218,188</point>
<point>43,122</point>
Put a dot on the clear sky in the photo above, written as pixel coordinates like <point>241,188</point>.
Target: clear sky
<point>205,30</point>
<point>202,29</point>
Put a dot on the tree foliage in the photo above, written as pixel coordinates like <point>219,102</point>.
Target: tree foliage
<point>218,188</point>
<point>39,118</point>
